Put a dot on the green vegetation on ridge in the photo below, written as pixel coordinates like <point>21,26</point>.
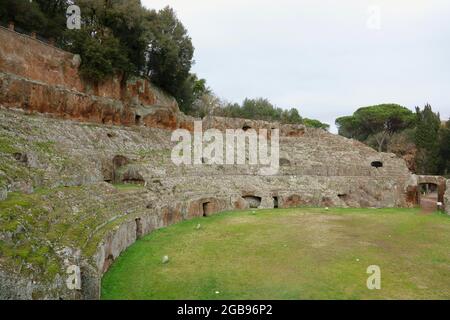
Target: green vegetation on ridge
<point>123,37</point>
<point>262,109</point>
<point>393,128</point>
<point>38,225</point>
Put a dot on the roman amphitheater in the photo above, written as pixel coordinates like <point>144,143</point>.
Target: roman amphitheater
<point>70,151</point>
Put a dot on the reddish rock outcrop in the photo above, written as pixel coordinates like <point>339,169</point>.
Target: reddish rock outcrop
<point>37,77</point>
<point>293,201</point>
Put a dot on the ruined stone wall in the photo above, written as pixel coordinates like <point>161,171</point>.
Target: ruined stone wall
<point>78,162</point>
<point>447,198</point>
<point>37,77</point>
<point>70,175</point>
<point>34,60</point>
<point>222,124</point>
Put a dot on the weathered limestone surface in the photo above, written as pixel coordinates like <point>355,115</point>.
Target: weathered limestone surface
<point>17,287</point>
<point>80,191</point>
<point>440,182</point>
<point>3,193</point>
<point>64,169</point>
<point>447,198</point>
<point>222,124</point>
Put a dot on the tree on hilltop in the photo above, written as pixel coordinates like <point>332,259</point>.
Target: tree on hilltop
<point>444,164</point>
<point>427,140</point>
<point>379,122</point>
<point>169,56</point>
<point>116,37</point>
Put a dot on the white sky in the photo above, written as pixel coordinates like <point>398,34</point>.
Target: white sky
<point>319,55</point>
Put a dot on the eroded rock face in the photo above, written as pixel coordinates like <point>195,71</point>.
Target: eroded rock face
<point>80,218</point>
<point>206,207</point>
<point>3,193</point>
<point>253,202</point>
<point>293,200</point>
<point>447,198</point>
<point>114,244</point>
<point>75,159</point>
<point>222,124</point>
<point>40,78</point>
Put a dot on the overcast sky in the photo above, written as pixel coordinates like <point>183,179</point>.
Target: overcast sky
<point>324,57</point>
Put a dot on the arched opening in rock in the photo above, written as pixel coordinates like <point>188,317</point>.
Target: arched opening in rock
<point>137,119</point>
<point>253,201</point>
<point>118,162</point>
<point>246,127</point>
<point>276,204</point>
<point>207,209</point>
<point>107,172</point>
<point>377,164</point>
<point>428,196</point>
<point>343,196</point>
<point>138,228</point>
<point>285,162</point>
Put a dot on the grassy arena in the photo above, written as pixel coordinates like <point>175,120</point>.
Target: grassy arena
<point>289,254</point>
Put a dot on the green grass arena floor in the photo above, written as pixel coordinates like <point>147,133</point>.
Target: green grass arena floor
<point>303,253</point>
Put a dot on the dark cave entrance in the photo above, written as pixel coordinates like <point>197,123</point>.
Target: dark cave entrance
<point>344,197</point>
<point>118,162</point>
<point>377,164</point>
<point>138,228</point>
<point>137,119</point>
<point>207,209</point>
<point>253,201</point>
<point>276,204</point>
<point>285,162</point>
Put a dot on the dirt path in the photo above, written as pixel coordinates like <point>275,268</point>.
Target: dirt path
<point>428,202</point>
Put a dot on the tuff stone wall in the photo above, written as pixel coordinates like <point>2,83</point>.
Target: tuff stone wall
<point>439,181</point>
<point>62,171</point>
<point>447,198</point>
<point>77,193</point>
<point>222,124</point>
<point>37,77</point>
